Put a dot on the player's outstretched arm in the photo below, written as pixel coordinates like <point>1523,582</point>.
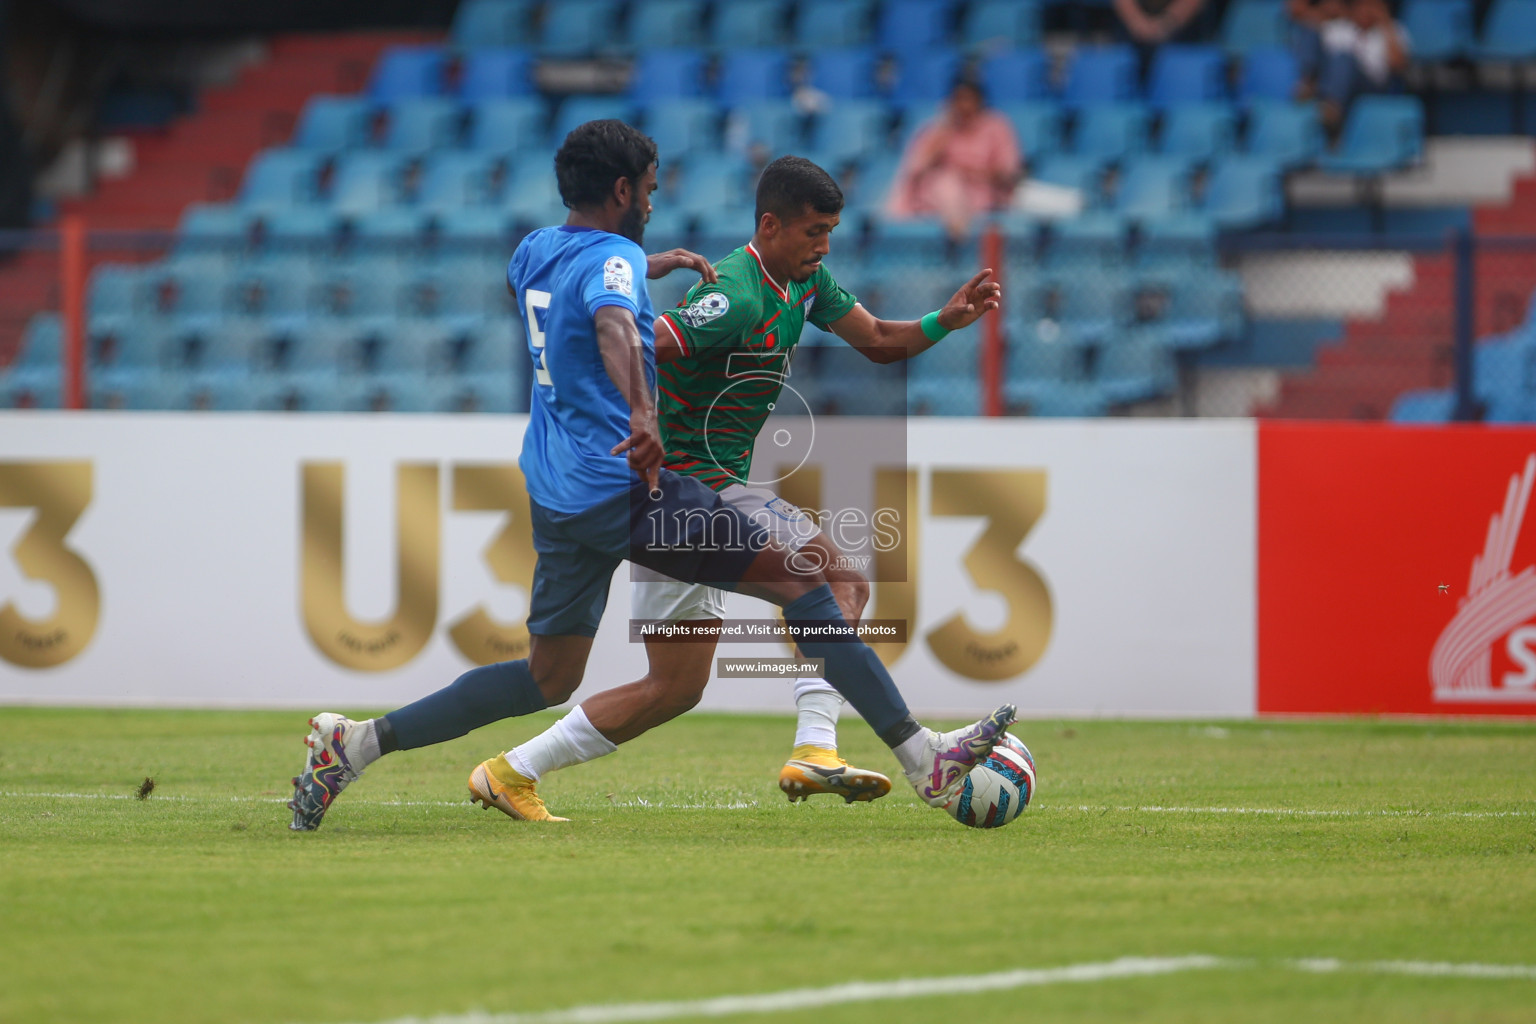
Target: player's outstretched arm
<point>618,339</point>
<point>887,341</point>
<point>660,264</point>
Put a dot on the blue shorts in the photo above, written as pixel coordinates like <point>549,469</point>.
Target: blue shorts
<point>688,534</point>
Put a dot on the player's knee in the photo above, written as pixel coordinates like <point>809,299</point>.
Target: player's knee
<point>557,683</point>
<point>852,595</point>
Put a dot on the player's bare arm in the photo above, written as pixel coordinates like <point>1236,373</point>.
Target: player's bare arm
<point>660,264</point>
<point>618,339</point>
<point>889,341</point>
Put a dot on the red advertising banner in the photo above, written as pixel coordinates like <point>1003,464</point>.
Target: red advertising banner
<point>1397,570</point>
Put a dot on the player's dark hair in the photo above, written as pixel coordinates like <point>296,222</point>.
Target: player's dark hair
<point>597,154</point>
<point>790,184</point>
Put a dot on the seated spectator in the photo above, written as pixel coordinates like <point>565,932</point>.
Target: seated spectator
<point>963,163</point>
<point>1358,49</point>
<point>1309,19</point>
<point>1148,24</point>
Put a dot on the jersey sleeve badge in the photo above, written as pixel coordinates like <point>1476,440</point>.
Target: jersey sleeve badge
<point>704,309</point>
<point>618,276</point>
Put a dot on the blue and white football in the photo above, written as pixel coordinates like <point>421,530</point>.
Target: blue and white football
<point>998,789</point>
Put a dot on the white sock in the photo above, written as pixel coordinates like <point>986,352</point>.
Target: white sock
<point>910,753</point>
<point>362,747</point>
<point>572,740</point>
<point>819,706</point>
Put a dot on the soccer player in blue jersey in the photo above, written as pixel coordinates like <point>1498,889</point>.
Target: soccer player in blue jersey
<point>592,457</point>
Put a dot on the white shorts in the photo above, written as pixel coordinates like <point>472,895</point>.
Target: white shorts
<point>658,597</point>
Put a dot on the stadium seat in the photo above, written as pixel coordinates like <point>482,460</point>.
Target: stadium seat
<point>396,233</point>
<point>403,72</point>
<point>480,23</point>
<point>681,127</point>
<point>1071,171</point>
<point>910,27</point>
<point>660,24</point>
<point>845,74</point>
<point>301,235</point>
<point>507,125</point>
<point>279,178</point>
<point>1153,186</point>
<point>112,291</point>
<point>1425,405</point>
<point>579,28</point>
<point>1000,24</point>
<point>331,124</point>
<point>1509,31</point>
<point>1099,75</point>
<point>1134,369</point>
<point>532,198</point>
<point>1268,73</point>
<point>925,78</point>
<point>365,182</point>
<point>849,129</point>
<point>835,23</point>
<point>494,73</point>
<point>751,23</point>
<point>1183,240</point>
<point>1254,23</point>
<point>1110,132</point>
<point>1015,76</point>
<point>581,109</point>
<point>1189,311</point>
<point>1186,74</point>
<point>213,231</point>
<point>1244,192</point>
<point>774,125</point>
<point>1438,29</point>
<point>750,75</point>
<point>713,181</point>
<point>1095,239</point>
<point>1037,125</point>
<point>667,74</point>
<point>1199,132</point>
<point>452,180</point>
<point>1287,133</point>
<point>1381,133</point>
<point>418,126</point>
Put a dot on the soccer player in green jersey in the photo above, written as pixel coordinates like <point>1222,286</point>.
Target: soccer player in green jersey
<point>764,294</point>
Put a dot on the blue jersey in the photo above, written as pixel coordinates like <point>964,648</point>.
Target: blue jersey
<point>562,276</point>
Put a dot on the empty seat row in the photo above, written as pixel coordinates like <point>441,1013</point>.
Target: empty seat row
<point>1438,29</point>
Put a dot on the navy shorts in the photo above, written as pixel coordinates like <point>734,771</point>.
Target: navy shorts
<point>688,534</point>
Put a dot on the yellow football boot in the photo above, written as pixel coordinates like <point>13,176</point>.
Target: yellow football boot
<point>813,770</point>
<point>495,783</point>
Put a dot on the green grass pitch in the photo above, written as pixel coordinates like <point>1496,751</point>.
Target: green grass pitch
<point>685,875</point>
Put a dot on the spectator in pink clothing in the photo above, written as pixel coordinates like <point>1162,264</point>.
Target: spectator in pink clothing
<point>963,163</point>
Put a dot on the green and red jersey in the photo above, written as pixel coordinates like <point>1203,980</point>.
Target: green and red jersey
<point>736,337</point>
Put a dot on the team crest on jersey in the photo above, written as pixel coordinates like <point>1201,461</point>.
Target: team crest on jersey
<point>805,307</point>
<point>704,309</point>
<point>617,276</point>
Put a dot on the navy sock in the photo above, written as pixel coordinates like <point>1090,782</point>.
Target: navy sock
<point>851,667</point>
<point>478,697</point>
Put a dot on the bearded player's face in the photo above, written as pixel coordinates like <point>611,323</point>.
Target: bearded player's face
<point>804,241</point>
<point>632,226</point>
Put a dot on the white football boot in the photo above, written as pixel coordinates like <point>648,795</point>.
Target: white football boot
<point>949,756</point>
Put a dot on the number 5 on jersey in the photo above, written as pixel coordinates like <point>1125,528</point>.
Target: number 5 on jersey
<point>537,301</point>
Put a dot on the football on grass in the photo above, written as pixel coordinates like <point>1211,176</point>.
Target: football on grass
<point>998,789</point>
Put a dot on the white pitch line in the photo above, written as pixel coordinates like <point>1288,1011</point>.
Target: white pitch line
<point>1298,812</point>
<point>918,988</point>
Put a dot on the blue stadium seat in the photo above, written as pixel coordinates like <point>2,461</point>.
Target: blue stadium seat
<point>1183,240</point>
<point>42,344</point>
<point>35,380</point>
<point>849,129</point>
<point>1015,76</point>
<point>112,291</point>
<point>1287,133</point>
<point>1186,74</point>
<point>925,77</point>
<point>1000,24</point>
<point>1153,186</point>
<point>398,232</point>
<point>1425,405</point>
<point>1071,171</point>
<point>579,28</point>
<point>581,109</point>
<point>681,127</point>
<point>833,23</point>
<point>1381,133</point>
<point>909,27</point>
<point>418,126</point>
<point>365,181</point>
<point>480,23</point>
<point>1254,23</point>
<point>532,198</point>
<point>493,73</point>
<point>667,74</point>
<point>507,125</point>
<point>713,181</point>
<point>331,124</point>
<point>1189,311</point>
<point>1200,131</point>
<point>302,235</point>
<point>452,180</point>
<point>1268,73</point>
<point>213,231</point>
<point>750,75</point>
<point>1244,192</point>
<point>1093,241</point>
<point>1037,125</point>
<point>1509,31</point>
<point>871,183</point>
<point>1135,369</point>
<point>1110,132</point>
<point>773,124</point>
<point>1100,74</point>
<point>751,23</point>
<point>845,74</point>
<point>406,71</point>
<point>660,24</point>
<point>1438,29</point>
<point>279,178</point>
